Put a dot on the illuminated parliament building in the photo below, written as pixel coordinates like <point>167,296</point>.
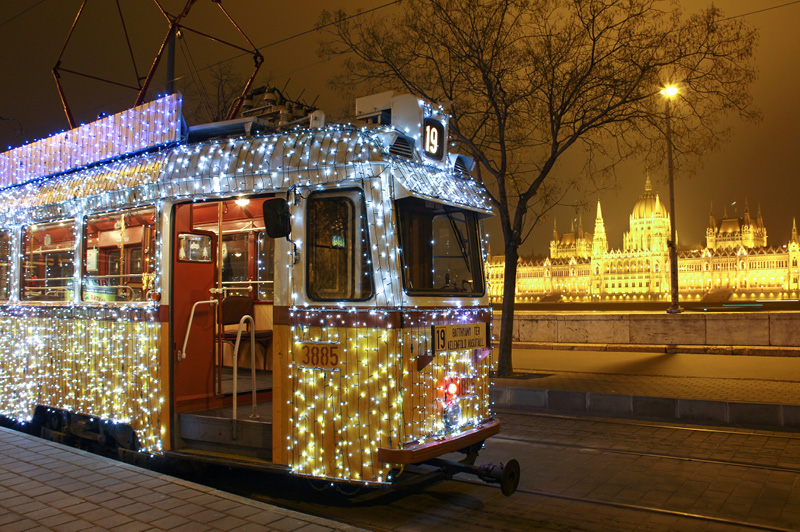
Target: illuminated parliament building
<point>736,263</point>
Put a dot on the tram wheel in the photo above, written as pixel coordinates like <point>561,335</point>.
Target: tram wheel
<point>348,490</point>
<point>55,421</point>
<point>319,485</point>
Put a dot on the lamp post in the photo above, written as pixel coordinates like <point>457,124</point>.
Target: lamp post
<point>668,92</point>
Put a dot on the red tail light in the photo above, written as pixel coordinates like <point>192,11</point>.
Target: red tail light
<point>451,388</point>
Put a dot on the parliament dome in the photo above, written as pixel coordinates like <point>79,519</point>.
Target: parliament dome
<point>649,204</point>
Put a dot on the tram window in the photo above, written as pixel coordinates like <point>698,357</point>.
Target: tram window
<point>119,255</point>
<point>194,248</point>
<point>235,260</point>
<point>137,261</point>
<point>113,265</point>
<point>5,264</point>
<point>48,255</point>
<point>440,248</point>
<point>266,267</point>
<point>338,262</point>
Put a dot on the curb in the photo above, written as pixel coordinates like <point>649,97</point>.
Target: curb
<point>666,348</point>
<point>693,411</point>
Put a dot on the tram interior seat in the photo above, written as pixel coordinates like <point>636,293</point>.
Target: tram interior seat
<point>233,309</point>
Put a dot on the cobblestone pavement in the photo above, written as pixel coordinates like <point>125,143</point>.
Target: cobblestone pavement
<point>45,486</point>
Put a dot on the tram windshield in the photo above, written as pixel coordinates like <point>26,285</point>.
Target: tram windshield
<point>440,247</point>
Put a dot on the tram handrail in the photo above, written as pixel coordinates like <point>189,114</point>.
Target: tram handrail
<point>253,413</point>
<point>212,302</point>
<point>112,276</point>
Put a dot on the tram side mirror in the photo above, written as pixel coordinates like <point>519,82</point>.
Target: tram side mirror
<point>277,220</point>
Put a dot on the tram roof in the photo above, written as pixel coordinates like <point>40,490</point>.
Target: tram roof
<point>274,162</point>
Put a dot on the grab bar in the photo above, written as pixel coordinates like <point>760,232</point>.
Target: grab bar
<point>182,354</point>
<point>253,413</point>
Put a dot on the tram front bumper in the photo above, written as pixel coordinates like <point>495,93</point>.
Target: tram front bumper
<point>420,452</point>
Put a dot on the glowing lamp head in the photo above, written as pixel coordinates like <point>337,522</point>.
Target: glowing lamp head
<point>451,388</point>
<point>669,91</point>
<point>242,202</point>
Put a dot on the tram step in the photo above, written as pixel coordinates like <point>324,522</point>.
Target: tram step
<point>251,438</point>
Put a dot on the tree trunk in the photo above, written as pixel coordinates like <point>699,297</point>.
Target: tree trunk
<point>505,365</point>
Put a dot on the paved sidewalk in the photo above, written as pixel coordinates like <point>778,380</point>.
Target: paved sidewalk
<point>46,486</point>
<point>738,390</point>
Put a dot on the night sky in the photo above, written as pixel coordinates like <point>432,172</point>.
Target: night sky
<point>759,164</point>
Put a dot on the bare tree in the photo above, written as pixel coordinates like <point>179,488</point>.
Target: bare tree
<point>530,79</point>
<point>211,93</point>
<point>16,126</point>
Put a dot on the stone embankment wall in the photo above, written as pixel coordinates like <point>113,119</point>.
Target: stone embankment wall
<point>728,332</point>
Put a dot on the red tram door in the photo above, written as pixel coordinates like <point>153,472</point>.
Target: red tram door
<point>193,275</point>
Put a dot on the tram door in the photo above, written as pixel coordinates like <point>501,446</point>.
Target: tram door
<point>194,266</point>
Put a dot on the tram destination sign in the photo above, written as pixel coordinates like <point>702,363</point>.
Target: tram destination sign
<point>458,337</point>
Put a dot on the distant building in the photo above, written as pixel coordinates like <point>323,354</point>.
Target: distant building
<point>736,263</point>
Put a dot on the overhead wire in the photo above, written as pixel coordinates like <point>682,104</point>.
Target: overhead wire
<point>306,32</point>
<point>292,37</point>
<point>787,4</point>
<point>14,17</point>
<point>359,14</point>
<point>196,79</point>
<point>393,2</point>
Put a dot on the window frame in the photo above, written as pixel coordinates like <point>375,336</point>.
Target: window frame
<point>7,281</point>
<point>358,205</point>
<point>124,254</point>
<point>194,232</point>
<point>24,263</point>
<point>268,268</point>
<point>472,222</point>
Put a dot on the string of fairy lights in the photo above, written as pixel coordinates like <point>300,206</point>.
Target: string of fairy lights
<point>106,361</point>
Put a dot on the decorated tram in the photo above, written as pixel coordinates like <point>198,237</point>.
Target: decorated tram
<point>294,297</point>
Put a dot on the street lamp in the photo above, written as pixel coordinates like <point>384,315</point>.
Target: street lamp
<point>669,92</point>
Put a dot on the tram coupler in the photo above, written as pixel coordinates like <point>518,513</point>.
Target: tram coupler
<point>506,475</point>
<point>87,428</point>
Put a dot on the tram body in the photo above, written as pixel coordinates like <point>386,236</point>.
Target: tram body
<point>370,346</point>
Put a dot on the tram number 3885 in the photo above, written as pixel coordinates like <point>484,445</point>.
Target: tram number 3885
<point>318,355</point>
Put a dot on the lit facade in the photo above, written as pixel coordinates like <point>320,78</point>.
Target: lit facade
<point>735,264</point>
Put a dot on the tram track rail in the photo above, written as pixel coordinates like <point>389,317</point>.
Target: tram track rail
<point>573,498</point>
<point>370,525</point>
<point>640,508</point>
<point>735,463</point>
<point>382,503</point>
<point>653,424</point>
<point>658,455</point>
